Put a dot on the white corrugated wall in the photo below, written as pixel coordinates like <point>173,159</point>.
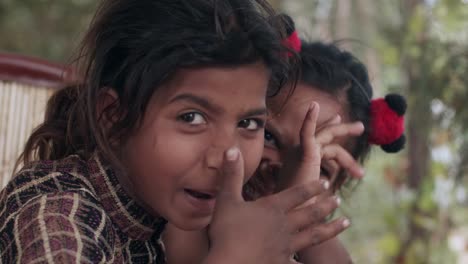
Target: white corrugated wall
<point>21,110</point>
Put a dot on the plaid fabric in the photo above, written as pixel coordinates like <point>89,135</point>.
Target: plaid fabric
<point>74,211</point>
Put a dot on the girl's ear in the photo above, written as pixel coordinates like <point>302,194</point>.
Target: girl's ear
<point>107,108</point>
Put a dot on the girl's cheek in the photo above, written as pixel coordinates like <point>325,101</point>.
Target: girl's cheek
<point>271,154</point>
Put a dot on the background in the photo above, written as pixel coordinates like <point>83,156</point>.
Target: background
<point>411,207</point>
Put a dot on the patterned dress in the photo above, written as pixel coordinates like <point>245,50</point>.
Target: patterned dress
<point>75,211</point>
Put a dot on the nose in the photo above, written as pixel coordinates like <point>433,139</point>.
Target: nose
<point>214,154</point>
<point>214,157</point>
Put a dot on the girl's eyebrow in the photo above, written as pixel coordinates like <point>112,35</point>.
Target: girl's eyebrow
<point>205,103</point>
<point>257,112</point>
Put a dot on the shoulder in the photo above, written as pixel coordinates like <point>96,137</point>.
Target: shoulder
<point>44,178</point>
<point>61,226</point>
<point>51,209</point>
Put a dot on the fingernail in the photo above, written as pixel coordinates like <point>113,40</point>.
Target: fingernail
<point>312,106</point>
<point>232,154</point>
<point>338,200</point>
<point>361,125</point>
<point>325,184</point>
<point>346,223</point>
<point>361,171</point>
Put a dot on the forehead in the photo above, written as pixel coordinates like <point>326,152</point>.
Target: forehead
<point>228,85</point>
<point>289,113</point>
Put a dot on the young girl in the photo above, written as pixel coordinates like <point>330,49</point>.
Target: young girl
<point>339,83</point>
<point>168,121</point>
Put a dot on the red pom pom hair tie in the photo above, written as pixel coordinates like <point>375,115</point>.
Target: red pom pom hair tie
<point>387,123</point>
<point>292,41</point>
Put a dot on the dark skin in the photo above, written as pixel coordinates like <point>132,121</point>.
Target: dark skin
<point>331,136</point>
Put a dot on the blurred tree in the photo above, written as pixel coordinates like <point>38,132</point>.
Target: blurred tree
<point>427,67</point>
<point>44,28</point>
<point>275,3</point>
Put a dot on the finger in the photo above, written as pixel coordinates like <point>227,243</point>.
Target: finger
<point>325,195</point>
<point>317,234</point>
<point>344,159</point>
<point>312,214</point>
<point>309,166</point>
<point>318,198</point>
<point>328,134</point>
<point>233,175</point>
<point>307,135</point>
<point>332,121</point>
<point>290,198</point>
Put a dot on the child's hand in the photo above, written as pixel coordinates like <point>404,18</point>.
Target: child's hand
<point>332,151</point>
<point>272,228</point>
<point>322,142</point>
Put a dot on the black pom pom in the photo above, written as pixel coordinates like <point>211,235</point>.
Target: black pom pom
<point>395,146</point>
<point>397,103</point>
<point>289,24</point>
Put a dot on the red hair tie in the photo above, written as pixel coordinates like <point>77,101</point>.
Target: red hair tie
<point>292,41</point>
<point>387,123</point>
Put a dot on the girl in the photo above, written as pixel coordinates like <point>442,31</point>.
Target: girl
<point>168,121</point>
<point>339,83</point>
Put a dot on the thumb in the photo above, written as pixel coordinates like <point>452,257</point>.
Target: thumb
<point>233,175</point>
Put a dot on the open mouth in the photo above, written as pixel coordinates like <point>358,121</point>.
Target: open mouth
<point>199,195</point>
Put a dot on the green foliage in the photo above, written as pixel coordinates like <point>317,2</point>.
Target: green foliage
<point>390,244</point>
<point>43,28</point>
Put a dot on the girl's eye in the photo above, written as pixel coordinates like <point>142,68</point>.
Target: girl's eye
<point>193,118</point>
<point>270,140</point>
<point>251,124</point>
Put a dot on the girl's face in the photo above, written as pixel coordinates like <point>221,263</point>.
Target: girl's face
<point>174,159</point>
<point>282,130</point>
